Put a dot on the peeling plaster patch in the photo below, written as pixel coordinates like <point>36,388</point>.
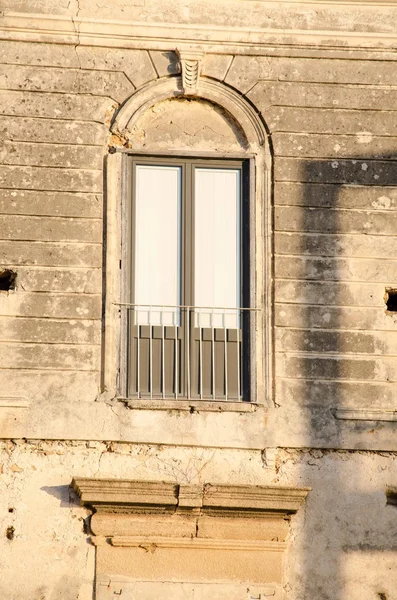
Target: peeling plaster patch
<point>186,123</point>
<point>364,137</point>
<point>364,167</point>
<point>335,164</point>
<point>337,148</point>
<point>382,202</point>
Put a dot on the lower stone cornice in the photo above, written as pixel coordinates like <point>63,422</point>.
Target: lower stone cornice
<point>152,497</point>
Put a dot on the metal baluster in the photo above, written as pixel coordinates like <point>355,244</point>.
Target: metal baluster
<point>213,355</point>
<point>201,355</point>
<point>150,353</point>
<point>225,352</point>
<point>188,351</point>
<point>162,354</point>
<point>238,357</point>
<point>176,353</point>
<point>138,355</point>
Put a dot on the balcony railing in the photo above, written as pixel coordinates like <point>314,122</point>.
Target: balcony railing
<point>187,352</point>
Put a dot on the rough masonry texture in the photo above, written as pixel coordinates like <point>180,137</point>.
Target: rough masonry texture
<point>307,91</point>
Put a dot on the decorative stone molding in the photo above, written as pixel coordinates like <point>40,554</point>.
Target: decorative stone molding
<point>191,62</point>
<point>257,151</point>
<point>360,414</point>
<point>153,497</point>
<point>172,87</point>
<point>166,534</point>
<point>35,27</point>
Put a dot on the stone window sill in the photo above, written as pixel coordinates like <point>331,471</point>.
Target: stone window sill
<point>191,406</point>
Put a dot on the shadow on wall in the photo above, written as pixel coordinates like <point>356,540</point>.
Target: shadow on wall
<point>340,347</point>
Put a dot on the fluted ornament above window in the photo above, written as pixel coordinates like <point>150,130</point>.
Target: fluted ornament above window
<point>190,62</point>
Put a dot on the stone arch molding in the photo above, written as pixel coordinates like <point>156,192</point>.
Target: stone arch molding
<point>213,91</point>
<point>257,152</point>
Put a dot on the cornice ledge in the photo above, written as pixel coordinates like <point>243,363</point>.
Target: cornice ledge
<point>128,496</point>
<point>363,414</point>
<point>131,34</point>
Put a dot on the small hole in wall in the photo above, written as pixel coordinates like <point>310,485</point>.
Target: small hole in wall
<point>7,280</point>
<point>391,300</point>
<point>382,596</point>
<point>10,510</point>
<point>10,533</point>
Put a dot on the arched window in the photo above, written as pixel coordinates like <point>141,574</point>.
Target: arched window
<point>187,306</point>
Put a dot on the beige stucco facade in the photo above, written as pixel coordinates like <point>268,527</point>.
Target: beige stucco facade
<point>306,92</point>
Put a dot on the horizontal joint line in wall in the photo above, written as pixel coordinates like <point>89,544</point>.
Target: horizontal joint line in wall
<point>323,234</point>
<point>59,243</point>
<point>338,379</point>
<point>340,356</point>
<point>52,319</point>
<point>51,370</point>
<point>331,306</point>
<point>60,293</point>
<point>40,143</point>
<point>56,191</point>
<point>339,184</point>
<point>47,166</point>
<point>33,118</point>
<point>337,210</point>
<point>54,217</point>
<point>335,330</point>
<point>330,280</point>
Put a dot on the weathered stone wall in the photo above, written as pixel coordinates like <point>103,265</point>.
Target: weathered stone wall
<point>322,78</point>
<point>341,543</point>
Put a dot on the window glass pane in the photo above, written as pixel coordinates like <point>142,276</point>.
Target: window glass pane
<point>157,244</point>
<point>217,247</point>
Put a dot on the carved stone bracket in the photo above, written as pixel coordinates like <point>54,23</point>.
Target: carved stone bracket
<point>190,62</point>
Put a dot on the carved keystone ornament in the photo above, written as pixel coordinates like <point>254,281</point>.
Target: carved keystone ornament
<point>191,62</point>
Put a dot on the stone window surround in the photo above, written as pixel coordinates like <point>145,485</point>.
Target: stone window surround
<point>261,271</point>
<point>164,532</point>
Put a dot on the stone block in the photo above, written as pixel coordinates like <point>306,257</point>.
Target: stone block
<point>46,305</point>
<point>347,197</point>
<point>51,131</point>
<point>336,269</point>
<point>362,124</point>
<point>83,107</point>
<point>50,356</point>
<point>362,146</point>
<point>42,178</point>
<point>59,279</point>
<point>39,55</point>
<point>50,204</point>
<point>336,368</point>
<point>51,155</point>
<point>112,84</point>
<point>136,64</point>
<point>335,342</point>
<point>331,293</point>
<point>216,65</point>
<point>343,172</point>
<point>166,63</point>
<point>49,331</point>
<point>337,245</point>
<point>317,95</point>
<point>51,229</point>
<point>334,317</point>
<point>47,254</point>
<point>335,221</point>
<point>247,70</point>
